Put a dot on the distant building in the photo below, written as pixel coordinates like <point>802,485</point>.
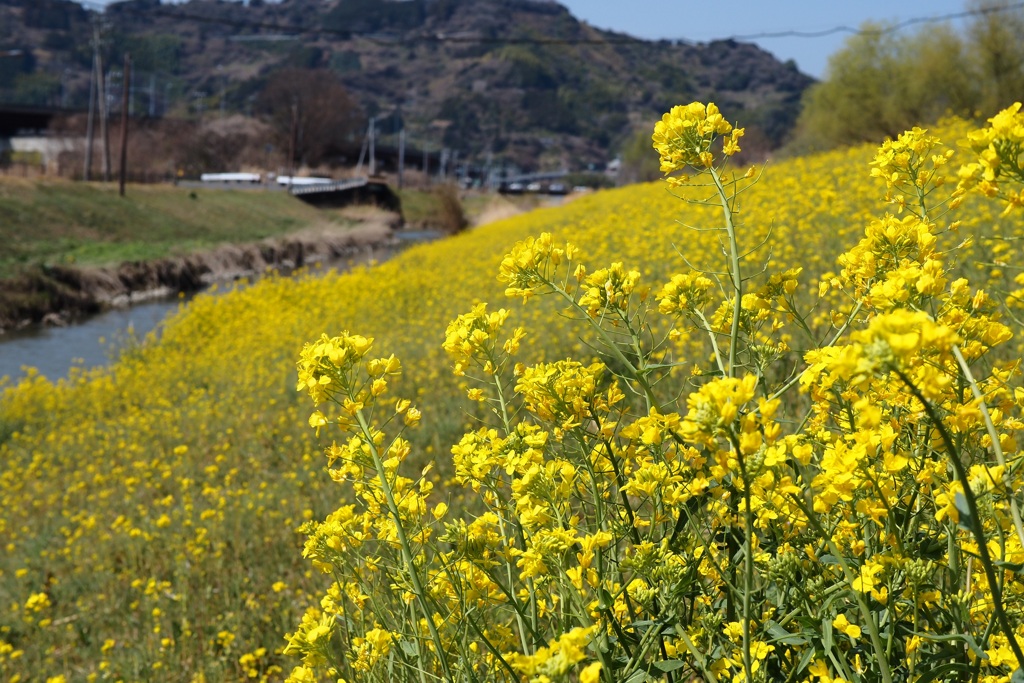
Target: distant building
<point>25,137</point>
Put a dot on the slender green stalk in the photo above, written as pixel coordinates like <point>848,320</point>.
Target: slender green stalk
<point>734,271</point>
<point>652,402</point>
<point>748,575</point>
<point>993,435</point>
<point>714,342</point>
<point>974,523</point>
<point>407,557</point>
<point>862,604</point>
<point>702,662</point>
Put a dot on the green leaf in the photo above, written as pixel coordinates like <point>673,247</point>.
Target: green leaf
<point>669,665</point>
<point>638,676</point>
<point>805,661</point>
<point>1018,676</point>
<point>966,520</point>
<point>1014,567</point>
<point>939,672</point>
<point>781,635</point>
<point>964,637</point>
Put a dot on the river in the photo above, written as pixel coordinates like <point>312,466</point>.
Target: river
<point>89,343</point>
<point>93,341</point>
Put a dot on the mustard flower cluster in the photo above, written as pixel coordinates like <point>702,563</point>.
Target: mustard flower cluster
<point>999,164</point>
<point>831,499</point>
<point>684,136</point>
<point>912,165</point>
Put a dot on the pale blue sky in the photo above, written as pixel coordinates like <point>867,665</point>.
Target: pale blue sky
<point>748,19</point>
<point>704,21</point>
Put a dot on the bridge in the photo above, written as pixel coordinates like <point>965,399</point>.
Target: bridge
<point>346,192</point>
<point>18,119</point>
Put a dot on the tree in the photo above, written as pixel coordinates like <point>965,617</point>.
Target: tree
<point>313,116</point>
<point>880,84</point>
<point>639,163</point>
<point>998,52</point>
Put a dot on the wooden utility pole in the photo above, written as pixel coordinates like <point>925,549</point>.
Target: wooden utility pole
<point>89,134</point>
<point>293,139</point>
<point>104,127</point>
<point>373,136</point>
<point>362,154</point>
<point>401,156</point>
<point>125,96</point>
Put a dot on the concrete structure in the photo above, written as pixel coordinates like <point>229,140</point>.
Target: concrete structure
<point>41,149</point>
<point>23,135</point>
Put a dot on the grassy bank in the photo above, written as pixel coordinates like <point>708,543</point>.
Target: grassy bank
<point>88,224</point>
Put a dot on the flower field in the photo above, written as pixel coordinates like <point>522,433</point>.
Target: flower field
<point>151,511</point>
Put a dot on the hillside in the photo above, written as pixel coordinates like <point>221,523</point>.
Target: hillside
<point>515,81</point>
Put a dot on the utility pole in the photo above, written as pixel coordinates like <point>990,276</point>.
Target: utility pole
<point>362,153</point>
<point>89,135</point>
<point>442,172</point>
<point>294,139</point>
<point>64,88</point>
<point>401,156</point>
<point>104,127</point>
<point>125,96</point>
<point>373,136</point>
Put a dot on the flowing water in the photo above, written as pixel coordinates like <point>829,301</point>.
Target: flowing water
<point>94,341</point>
<point>91,342</point>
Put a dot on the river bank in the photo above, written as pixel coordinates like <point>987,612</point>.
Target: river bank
<point>60,294</point>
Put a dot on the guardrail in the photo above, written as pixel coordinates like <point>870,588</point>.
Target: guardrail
<point>338,186</point>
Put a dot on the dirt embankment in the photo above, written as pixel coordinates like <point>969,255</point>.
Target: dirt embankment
<point>56,295</point>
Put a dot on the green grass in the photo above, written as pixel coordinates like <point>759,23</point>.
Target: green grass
<point>88,224</point>
<point>420,207</point>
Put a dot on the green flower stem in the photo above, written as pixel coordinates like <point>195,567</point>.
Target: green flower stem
<point>513,600</point>
<point>748,578</point>
<point>734,270</point>
<point>862,604</point>
<point>714,341</point>
<point>997,448</point>
<point>974,522</point>
<point>507,424</point>
<point>612,346</point>
<point>407,556</point>
<point>748,557</point>
<point>702,662</point>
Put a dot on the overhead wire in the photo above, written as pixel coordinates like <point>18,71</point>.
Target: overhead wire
<point>615,39</point>
<point>884,28</point>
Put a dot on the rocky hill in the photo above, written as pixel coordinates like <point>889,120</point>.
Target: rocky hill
<point>516,80</point>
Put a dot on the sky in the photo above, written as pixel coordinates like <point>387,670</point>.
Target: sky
<point>750,20</point>
<point>704,21</point>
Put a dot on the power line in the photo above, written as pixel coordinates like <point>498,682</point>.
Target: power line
<point>296,30</point>
<point>466,38</point>
<point>892,28</point>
